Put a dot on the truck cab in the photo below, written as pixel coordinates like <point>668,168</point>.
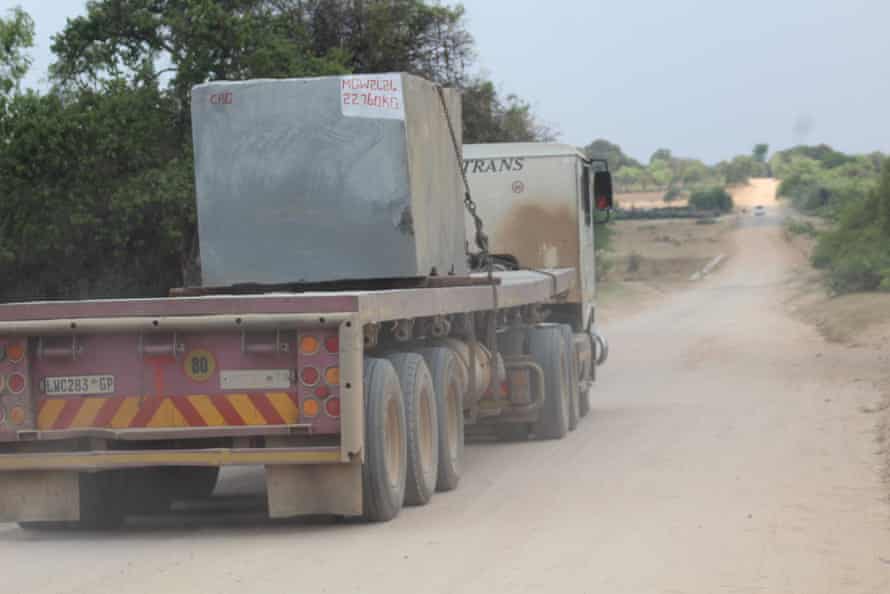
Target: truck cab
<point>536,200</point>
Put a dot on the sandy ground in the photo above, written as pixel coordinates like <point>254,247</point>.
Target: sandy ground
<point>731,449</point>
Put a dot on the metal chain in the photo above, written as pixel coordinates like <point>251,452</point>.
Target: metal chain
<point>481,237</point>
<point>469,203</point>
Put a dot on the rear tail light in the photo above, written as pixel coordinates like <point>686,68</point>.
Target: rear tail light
<point>332,376</point>
<point>332,407</point>
<point>310,408</point>
<point>309,376</point>
<point>308,345</point>
<point>332,344</point>
<point>16,383</point>
<point>318,370</point>
<point>17,415</point>
<point>15,352</point>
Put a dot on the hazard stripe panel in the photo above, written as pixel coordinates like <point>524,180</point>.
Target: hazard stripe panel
<point>218,410</point>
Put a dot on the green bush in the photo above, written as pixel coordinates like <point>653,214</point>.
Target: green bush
<point>856,254</point>
<point>672,194</point>
<point>716,199</point>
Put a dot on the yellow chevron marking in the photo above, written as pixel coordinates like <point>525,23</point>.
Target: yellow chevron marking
<point>87,413</point>
<point>285,406</point>
<point>49,413</point>
<point>208,412</point>
<point>246,409</point>
<point>124,415</point>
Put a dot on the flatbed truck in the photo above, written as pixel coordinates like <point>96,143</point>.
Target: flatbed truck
<point>353,397</point>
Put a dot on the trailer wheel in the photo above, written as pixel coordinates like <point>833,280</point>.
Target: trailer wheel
<point>384,470</point>
<point>448,382</point>
<point>547,346</point>
<point>584,402</point>
<point>422,425</point>
<point>572,383</point>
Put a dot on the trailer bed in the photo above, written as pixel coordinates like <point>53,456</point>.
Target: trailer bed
<point>516,288</point>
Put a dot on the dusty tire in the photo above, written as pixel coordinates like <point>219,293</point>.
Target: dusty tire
<point>572,379</point>
<point>449,385</point>
<point>511,432</point>
<point>584,402</point>
<point>547,346</point>
<point>422,426</point>
<point>385,468</point>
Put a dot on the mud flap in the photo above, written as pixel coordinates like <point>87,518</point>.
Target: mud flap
<point>39,496</point>
<point>314,489</point>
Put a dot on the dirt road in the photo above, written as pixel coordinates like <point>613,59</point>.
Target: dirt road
<point>730,450</point>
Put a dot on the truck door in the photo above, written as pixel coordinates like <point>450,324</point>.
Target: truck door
<point>587,271</point>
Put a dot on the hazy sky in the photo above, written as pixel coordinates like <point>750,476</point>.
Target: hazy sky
<point>706,78</point>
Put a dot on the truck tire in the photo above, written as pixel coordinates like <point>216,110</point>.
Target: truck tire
<point>385,468</point>
<point>584,402</point>
<point>547,346</point>
<point>449,385</point>
<point>422,426</point>
<point>573,384</point>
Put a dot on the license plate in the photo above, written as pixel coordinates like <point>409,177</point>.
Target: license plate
<point>80,385</point>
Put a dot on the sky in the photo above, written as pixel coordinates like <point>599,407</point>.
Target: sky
<point>705,78</point>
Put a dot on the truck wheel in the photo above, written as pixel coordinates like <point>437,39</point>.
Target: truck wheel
<point>449,385</point>
<point>572,382</point>
<point>422,425</point>
<point>511,431</point>
<point>384,470</point>
<point>547,346</point>
<point>584,402</point>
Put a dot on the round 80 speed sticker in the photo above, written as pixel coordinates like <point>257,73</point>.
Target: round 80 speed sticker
<point>199,365</point>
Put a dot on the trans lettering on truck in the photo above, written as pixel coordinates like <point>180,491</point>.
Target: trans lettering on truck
<point>494,165</point>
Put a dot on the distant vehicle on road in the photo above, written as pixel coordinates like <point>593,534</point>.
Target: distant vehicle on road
<point>759,211</point>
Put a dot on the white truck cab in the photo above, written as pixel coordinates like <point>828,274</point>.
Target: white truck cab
<point>536,201</point>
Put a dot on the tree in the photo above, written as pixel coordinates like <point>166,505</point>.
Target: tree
<point>603,149</point>
<point>16,36</point>
<point>661,154</point>
<point>716,199</point>
<point>760,151</point>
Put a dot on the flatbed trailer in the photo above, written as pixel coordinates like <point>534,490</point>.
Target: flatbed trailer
<point>133,387</point>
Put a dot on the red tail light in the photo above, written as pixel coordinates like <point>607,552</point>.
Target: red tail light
<point>15,352</point>
<point>332,344</point>
<point>322,392</point>
<point>16,383</point>
<point>332,407</point>
<point>309,376</point>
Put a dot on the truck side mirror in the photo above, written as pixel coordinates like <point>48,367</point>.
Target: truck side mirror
<point>602,190</point>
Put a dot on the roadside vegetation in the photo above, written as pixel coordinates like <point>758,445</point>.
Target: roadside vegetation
<point>677,177</point>
<point>851,193</point>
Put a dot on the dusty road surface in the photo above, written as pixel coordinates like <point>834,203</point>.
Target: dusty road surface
<point>730,450</point>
